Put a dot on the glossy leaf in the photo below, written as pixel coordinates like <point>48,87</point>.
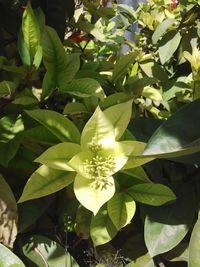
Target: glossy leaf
<point>122,66</point>
<point>161,29</point>
<point>84,87</point>
<point>143,261</point>
<point>90,197</point>
<point>98,129</point>
<point>102,230</point>
<point>166,226</point>
<point>7,88</point>
<point>8,215</point>
<point>177,136</point>
<point>151,93</point>
<point>8,258</point>
<point>169,45</point>
<point>194,246</point>
<point>31,35</point>
<point>61,127</point>
<point>45,252</point>
<point>45,181</point>
<point>58,156</point>
<point>151,194</point>
<point>119,115</point>
<point>121,209</point>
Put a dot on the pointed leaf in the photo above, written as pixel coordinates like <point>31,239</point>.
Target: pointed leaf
<point>98,130</point>
<point>119,115</point>
<point>122,66</point>
<point>58,156</point>
<point>102,230</point>
<point>84,87</point>
<point>161,29</point>
<point>8,258</point>
<point>168,45</point>
<point>90,197</point>
<point>151,194</point>
<point>45,181</point>
<point>61,127</point>
<point>121,209</point>
<point>7,88</point>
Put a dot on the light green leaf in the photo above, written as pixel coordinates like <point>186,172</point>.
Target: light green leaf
<point>119,115</point>
<point>166,226</point>
<point>7,88</point>
<point>8,258</point>
<point>90,197</point>
<point>61,127</point>
<point>102,230</point>
<point>151,93</point>
<point>45,181</point>
<point>194,246</point>
<point>84,87</point>
<point>161,29</point>
<point>143,261</point>
<point>31,34</point>
<point>121,209</point>
<point>98,130</point>
<point>122,66</point>
<point>45,252</point>
<point>151,194</point>
<point>168,45</point>
<point>8,214</point>
<point>58,156</point>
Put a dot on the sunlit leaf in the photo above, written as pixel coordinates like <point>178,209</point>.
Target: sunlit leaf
<point>8,258</point>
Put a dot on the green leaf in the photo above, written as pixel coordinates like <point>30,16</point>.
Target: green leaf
<point>135,159</point>
<point>45,181</point>
<point>61,67</point>
<point>57,156</point>
<point>161,29</point>
<point>122,66</point>
<point>166,226</point>
<point>169,45</point>
<point>177,136</point>
<point>10,129</point>
<point>90,197</point>
<point>45,252</point>
<point>151,194</point>
<point>8,258</point>
<point>7,88</point>
<point>31,211</point>
<point>119,115</point>
<point>121,209</point>
<point>98,130</point>
<point>83,221</point>
<point>102,230</point>
<point>152,93</point>
<point>143,261</point>
<point>154,70</point>
<point>194,246</point>
<point>90,28</point>
<point>8,214</point>
<point>61,127</point>
<point>31,35</point>
<point>84,87</point>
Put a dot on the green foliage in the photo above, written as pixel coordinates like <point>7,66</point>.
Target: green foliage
<point>100,146</point>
